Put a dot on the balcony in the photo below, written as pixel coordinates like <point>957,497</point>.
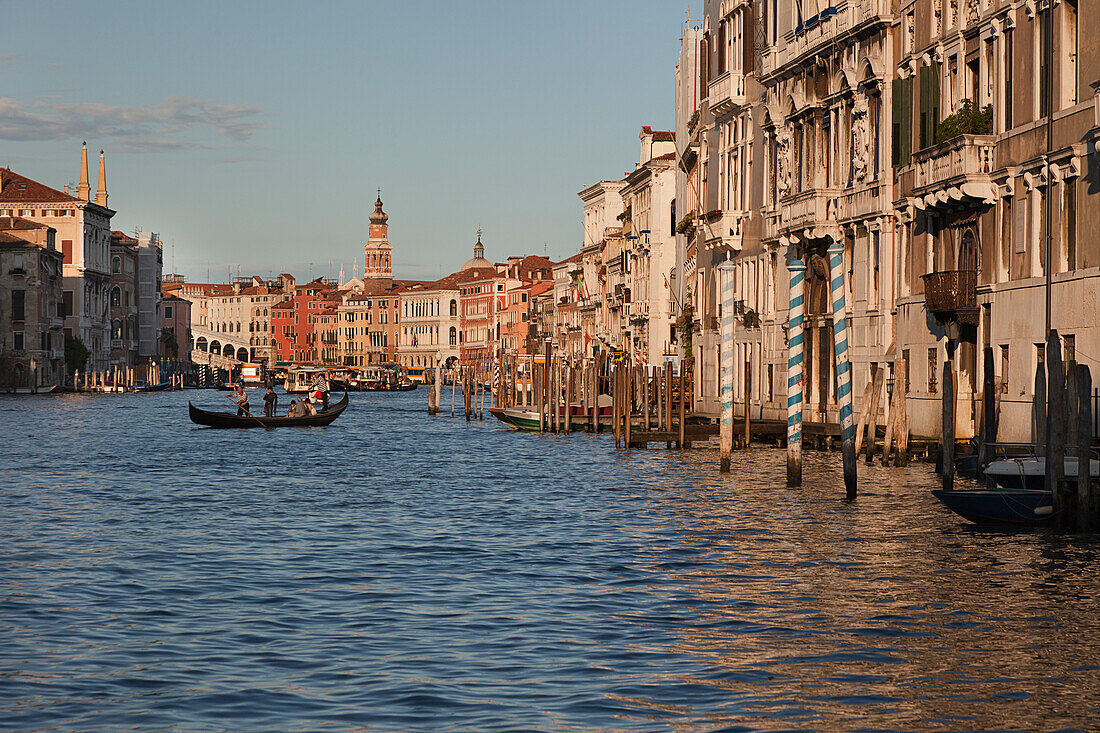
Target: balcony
<point>116,344</point>
<point>726,92</point>
<point>809,208</point>
<point>951,296</point>
<point>955,172</point>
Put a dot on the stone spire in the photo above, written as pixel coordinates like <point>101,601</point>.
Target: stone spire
<point>83,191</point>
<point>101,188</point>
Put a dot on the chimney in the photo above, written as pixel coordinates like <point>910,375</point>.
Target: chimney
<point>82,190</point>
<point>101,189</point>
<point>66,188</point>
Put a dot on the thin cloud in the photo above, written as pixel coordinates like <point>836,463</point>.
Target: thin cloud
<point>142,129</point>
<point>10,59</point>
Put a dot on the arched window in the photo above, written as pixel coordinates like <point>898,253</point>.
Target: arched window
<point>116,265</point>
<point>116,296</point>
<point>116,329</point>
<point>454,335</point>
<point>454,307</point>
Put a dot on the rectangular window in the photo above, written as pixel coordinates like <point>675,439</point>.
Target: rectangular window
<point>1004,368</point>
<point>1044,78</point>
<point>932,364</point>
<point>1069,206</point>
<point>1069,347</point>
<point>66,303</point>
<point>67,251</point>
<point>17,341</point>
<point>18,302</point>
<point>1008,95</point>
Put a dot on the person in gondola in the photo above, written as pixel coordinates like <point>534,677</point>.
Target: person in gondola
<point>241,398</point>
<point>271,403</point>
<point>307,408</point>
<point>295,409</point>
<point>321,398</point>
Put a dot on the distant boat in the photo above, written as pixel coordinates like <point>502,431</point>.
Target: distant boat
<point>41,389</point>
<point>1000,506</point>
<point>527,418</point>
<point>1030,473</point>
<point>232,420</point>
<point>143,387</point>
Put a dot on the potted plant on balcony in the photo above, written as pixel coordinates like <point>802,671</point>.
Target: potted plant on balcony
<point>969,119</point>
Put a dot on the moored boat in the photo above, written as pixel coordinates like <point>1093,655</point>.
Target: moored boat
<point>232,420</point>
<point>1000,506</point>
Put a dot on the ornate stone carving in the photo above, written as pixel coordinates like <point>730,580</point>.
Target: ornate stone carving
<point>859,137</point>
<point>973,11</point>
<point>784,161</point>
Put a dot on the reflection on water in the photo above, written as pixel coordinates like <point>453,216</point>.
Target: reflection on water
<point>394,572</point>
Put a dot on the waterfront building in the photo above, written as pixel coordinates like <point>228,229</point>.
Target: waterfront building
<point>997,118</point>
<point>568,294</point>
<point>32,344</point>
<point>150,261</point>
<point>231,322</point>
<point>175,341</point>
<point>83,227</point>
<point>431,324</point>
<point>601,247</point>
<point>123,298</point>
<point>647,298</point>
<point>292,323</point>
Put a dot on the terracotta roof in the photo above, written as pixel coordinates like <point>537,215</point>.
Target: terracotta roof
<point>115,234</point>
<point>659,136</point>
<point>12,223</point>
<point>575,258</point>
<point>15,188</point>
<point>666,156</point>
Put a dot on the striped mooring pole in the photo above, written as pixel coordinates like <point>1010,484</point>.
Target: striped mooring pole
<point>795,349</point>
<point>843,366</point>
<point>725,271</point>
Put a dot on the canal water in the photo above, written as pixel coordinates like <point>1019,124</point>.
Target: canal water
<point>395,572</point>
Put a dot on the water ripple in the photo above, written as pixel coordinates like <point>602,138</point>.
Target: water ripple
<point>395,572</point>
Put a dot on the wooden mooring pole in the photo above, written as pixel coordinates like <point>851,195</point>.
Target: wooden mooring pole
<point>1088,501</point>
<point>795,345</point>
<point>1065,501</point>
<point>843,366</point>
<point>947,427</point>
<point>725,438</point>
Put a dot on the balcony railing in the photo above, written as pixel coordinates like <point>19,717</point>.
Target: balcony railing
<point>809,207</point>
<point>726,92</point>
<point>956,162</point>
<point>951,295</point>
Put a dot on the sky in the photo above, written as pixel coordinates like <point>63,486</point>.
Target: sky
<point>256,134</point>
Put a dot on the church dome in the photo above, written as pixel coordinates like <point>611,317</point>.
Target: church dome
<point>478,260</point>
<point>379,216</point>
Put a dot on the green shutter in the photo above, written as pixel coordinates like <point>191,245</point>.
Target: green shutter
<point>907,121</point>
<point>896,126</point>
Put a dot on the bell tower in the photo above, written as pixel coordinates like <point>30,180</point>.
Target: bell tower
<point>377,268</point>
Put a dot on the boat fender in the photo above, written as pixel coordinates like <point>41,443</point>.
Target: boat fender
<point>1044,510</point>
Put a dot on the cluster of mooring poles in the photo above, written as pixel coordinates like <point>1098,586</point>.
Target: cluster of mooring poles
<point>125,379</point>
<point>473,374</point>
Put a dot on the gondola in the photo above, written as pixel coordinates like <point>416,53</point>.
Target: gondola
<point>228,420</point>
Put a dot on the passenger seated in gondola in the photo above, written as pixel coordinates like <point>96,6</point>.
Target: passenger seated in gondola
<point>307,408</point>
<point>295,409</point>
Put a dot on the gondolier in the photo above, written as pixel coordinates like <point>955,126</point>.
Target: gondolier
<point>241,398</point>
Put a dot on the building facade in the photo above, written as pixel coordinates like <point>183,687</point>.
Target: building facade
<point>83,228</point>
<point>32,344</point>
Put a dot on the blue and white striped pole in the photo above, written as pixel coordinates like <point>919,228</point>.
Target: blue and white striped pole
<point>843,366</point>
<point>795,351</point>
<point>728,284</point>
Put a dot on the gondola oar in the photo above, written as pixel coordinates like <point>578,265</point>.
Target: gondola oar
<point>261,422</point>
